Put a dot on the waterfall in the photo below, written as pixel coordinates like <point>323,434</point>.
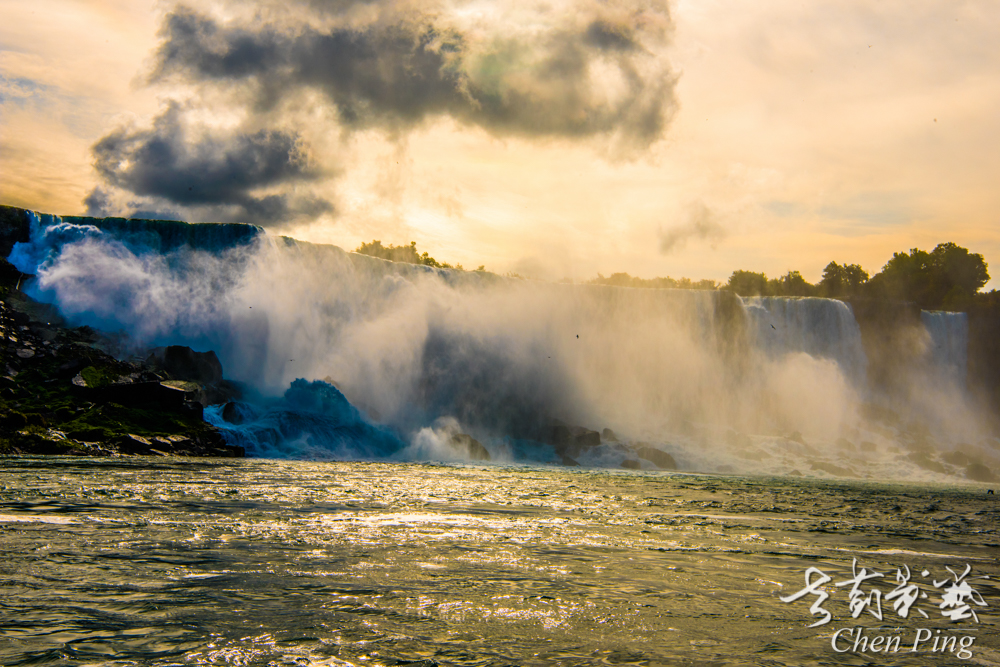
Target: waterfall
<point>406,346</point>
<point>948,350</point>
<point>819,327</point>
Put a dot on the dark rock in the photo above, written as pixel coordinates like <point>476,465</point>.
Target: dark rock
<point>469,446</point>
<point>193,409</point>
<point>608,435</point>
<point>12,421</point>
<point>568,461</point>
<point>15,227</point>
<point>183,363</point>
<point>72,397</point>
<point>571,440</point>
<point>233,413</point>
<point>658,458</point>
<point>72,367</point>
<point>133,444</point>
<point>223,391</point>
<point>631,464</point>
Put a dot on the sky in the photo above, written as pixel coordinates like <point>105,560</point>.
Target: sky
<point>555,139</point>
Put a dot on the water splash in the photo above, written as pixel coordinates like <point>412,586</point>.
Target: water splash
<point>715,381</point>
<point>823,328</point>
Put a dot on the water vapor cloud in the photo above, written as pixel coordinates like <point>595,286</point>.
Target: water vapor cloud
<point>701,224</point>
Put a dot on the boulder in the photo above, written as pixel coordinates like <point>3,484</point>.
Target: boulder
<point>183,363</point>
<point>631,464</point>
<point>656,457</point>
<point>571,440</point>
<point>470,446</point>
<point>133,444</point>
<point>233,413</point>
<point>223,391</point>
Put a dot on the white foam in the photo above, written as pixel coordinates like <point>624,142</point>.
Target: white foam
<point>34,518</point>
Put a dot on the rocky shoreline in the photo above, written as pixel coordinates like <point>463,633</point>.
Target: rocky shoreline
<point>62,393</point>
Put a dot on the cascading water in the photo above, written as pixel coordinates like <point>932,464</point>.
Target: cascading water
<point>948,349</point>
<point>823,328</point>
<point>349,356</point>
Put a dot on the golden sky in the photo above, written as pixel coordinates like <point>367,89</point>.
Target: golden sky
<point>557,139</point>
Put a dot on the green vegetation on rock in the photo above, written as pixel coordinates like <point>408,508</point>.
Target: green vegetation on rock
<point>407,254</point>
<point>61,394</point>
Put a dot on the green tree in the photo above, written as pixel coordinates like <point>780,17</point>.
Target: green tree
<point>790,284</point>
<point>959,274</point>
<point>401,253</point>
<point>842,280</point>
<point>625,280</point>
<point>947,277</point>
<point>748,283</point>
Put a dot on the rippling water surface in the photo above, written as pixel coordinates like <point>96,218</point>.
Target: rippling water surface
<point>195,562</point>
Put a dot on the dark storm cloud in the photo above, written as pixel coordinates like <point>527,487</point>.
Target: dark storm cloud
<point>379,64</point>
<point>404,68</point>
<point>170,162</point>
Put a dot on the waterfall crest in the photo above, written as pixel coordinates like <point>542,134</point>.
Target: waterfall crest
<point>823,328</point>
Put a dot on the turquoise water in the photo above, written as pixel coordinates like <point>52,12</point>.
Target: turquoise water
<point>135,561</point>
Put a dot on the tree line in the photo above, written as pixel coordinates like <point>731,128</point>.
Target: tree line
<point>405,253</point>
<point>947,278</point>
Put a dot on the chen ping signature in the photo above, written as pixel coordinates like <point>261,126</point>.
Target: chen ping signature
<point>959,601</point>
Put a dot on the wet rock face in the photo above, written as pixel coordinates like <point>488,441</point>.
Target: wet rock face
<point>15,227</point>
<point>59,394</point>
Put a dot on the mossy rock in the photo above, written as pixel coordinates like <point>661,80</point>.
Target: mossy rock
<point>182,385</point>
<point>98,377</point>
<point>90,434</point>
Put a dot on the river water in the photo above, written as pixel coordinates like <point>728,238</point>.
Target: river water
<point>136,561</point>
